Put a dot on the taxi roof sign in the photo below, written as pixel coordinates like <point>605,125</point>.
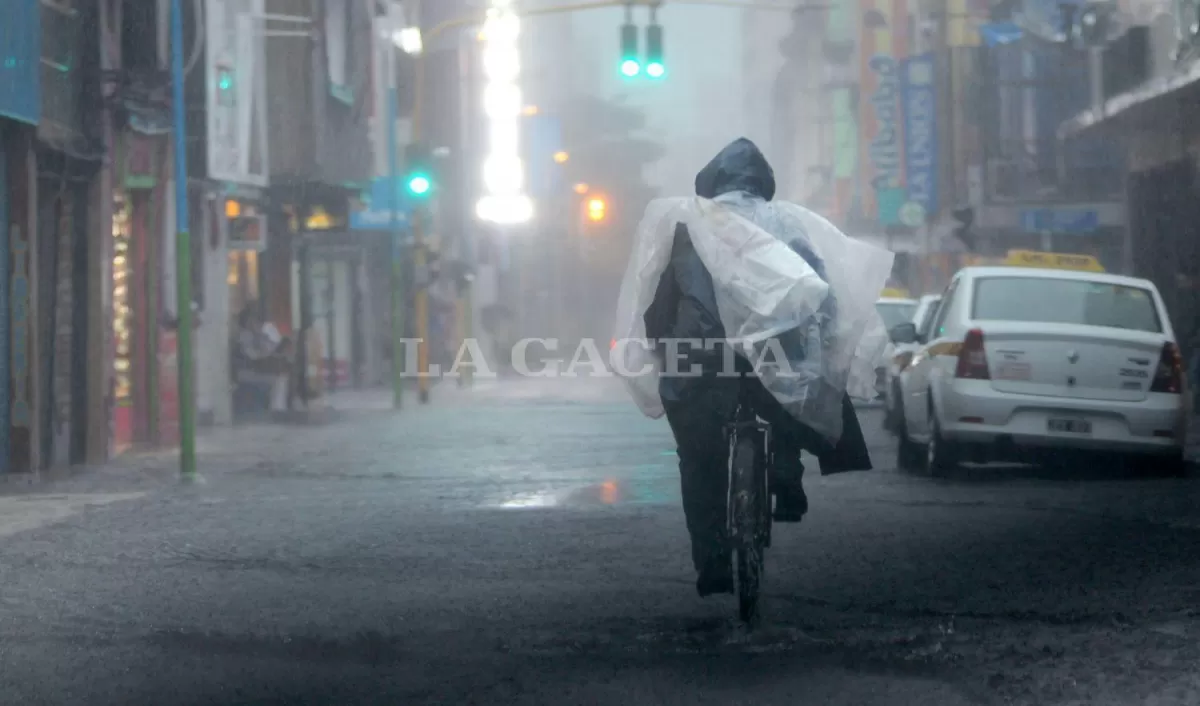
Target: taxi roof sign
<point>1054,261</point>
<point>894,293</point>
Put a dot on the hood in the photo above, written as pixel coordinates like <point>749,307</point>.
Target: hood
<point>741,166</point>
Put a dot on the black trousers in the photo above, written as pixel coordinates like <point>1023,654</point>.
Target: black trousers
<point>698,417</point>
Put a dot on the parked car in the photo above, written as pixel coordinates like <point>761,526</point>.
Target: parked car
<point>893,310</point>
<point>1029,361</point>
<point>902,354</point>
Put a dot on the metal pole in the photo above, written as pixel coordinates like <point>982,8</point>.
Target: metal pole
<point>465,303</point>
<point>421,303</point>
<point>1096,74</point>
<point>183,257</point>
<point>397,247</point>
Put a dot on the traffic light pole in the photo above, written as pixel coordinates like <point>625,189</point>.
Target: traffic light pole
<point>183,258</point>
<point>397,249</point>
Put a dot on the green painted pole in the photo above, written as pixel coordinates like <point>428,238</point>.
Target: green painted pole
<point>395,233</point>
<point>183,257</point>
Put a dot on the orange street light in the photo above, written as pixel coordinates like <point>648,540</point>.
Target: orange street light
<point>597,210</point>
<point>581,188</point>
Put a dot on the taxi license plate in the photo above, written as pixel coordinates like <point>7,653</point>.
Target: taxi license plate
<point>1070,426</point>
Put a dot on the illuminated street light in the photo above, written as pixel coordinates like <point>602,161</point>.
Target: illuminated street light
<point>409,40</point>
<point>503,175</point>
<point>501,100</point>
<point>597,209</point>
<point>504,200</point>
<point>505,210</point>
<point>561,157</point>
<point>581,188</point>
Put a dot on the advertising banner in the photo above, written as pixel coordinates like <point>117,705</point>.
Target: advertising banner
<point>920,139</point>
<point>883,38</point>
<point>20,67</point>
<point>841,30</point>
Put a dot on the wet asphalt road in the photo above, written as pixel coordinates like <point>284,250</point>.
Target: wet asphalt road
<point>524,544</point>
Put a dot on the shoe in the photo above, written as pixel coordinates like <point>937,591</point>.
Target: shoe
<point>790,505</point>
<point>716,576</point>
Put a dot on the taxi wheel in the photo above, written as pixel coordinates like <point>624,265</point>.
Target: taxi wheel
<point>910,456</point>
<point>941,456</point>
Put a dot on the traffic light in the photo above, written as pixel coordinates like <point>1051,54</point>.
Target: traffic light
<point>597,209</point>
<point>631,63</point>
<point>655,68</point>
<point>418,176</point>
<point>225,95</point>
<point>1093,27</point>
<point>966,218</point>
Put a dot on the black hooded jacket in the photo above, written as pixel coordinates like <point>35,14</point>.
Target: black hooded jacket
<point>685,305</point>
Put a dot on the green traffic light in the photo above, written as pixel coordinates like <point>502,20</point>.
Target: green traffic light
<point>630,68</point>
<point>655,68</point>
<point>419,184</point>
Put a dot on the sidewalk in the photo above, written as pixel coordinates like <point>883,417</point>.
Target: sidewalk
<point>243,447</point>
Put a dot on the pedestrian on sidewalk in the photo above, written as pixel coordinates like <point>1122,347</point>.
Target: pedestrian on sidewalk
<point>261,362</point>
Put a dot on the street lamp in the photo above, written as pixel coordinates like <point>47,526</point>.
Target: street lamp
<point>503,172</point>
<point>409,40</point>
<point>597,209</point>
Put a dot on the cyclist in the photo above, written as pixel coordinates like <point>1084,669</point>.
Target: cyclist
<point>698,407</point>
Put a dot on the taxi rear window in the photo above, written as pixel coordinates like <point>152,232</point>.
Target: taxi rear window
<point>895,313</point>
<point>1047,300</point>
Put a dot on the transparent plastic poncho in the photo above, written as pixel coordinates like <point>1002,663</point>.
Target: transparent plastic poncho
<point>765,289</point>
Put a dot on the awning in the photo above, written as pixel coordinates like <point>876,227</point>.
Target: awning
<point>1122,104</point>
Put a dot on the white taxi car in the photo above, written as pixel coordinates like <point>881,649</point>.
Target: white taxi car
<point>895,308</point>
<point>1027,359</point>
<point>902,354</point>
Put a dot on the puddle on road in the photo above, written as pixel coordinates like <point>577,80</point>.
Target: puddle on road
<point>612,492</point>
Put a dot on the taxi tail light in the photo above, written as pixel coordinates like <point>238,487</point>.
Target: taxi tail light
<point>972,359</point>
<point>1169,376</point>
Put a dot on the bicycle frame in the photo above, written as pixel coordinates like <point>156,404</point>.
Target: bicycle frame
<point>748,501</point>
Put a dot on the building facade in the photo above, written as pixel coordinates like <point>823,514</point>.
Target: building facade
<point>1151,114</point>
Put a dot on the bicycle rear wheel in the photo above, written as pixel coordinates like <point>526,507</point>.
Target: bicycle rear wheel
<point>746,493</point>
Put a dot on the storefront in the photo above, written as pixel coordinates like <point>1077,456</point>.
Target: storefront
<point>1157,122</point>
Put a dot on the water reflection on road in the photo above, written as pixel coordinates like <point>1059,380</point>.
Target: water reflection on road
<point>652,484</point>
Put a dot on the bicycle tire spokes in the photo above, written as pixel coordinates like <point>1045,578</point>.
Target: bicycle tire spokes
<point>749,508</point>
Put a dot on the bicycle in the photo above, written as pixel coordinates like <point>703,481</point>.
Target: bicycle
<point>748,505</point>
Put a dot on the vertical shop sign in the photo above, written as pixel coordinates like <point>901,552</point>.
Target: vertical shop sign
<point>883,38</point>
<point>920,139</point>
<point>841,31</point>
